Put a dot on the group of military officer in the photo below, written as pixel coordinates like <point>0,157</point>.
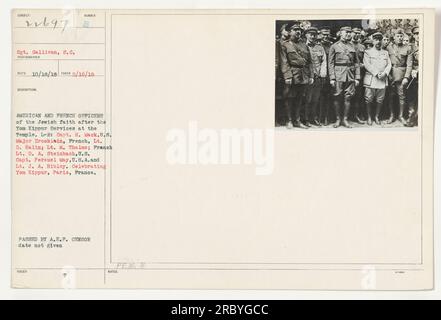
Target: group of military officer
<point>355,78</point>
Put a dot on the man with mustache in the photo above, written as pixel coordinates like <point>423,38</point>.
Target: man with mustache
<point>402,63</point>
<point>386,40</point>
<point>344,74</point>
<point>378,65</point>
<point>297,72</point>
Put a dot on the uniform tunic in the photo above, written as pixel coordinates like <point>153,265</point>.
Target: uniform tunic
<point>295,61</point>
<point>319,60</point>
<point>319,66</point>
<point>343,62</point>
<point>412,92</point>
<point>415,57</point>
<point>402,61</point>
<point>359,51</point>
<point>326,45</point>
<point>343,68</point>
<point>376,61</point>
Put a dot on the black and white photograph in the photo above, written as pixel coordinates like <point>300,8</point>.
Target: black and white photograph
<point>346,74</point>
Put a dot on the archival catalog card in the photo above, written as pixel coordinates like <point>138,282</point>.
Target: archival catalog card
<point>223,149</point>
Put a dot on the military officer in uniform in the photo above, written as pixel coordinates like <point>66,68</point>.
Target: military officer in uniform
<point>326,37</point>
<point>297,72</point>
<point>368,43</point>
<point>402,62</point>
<point>319,64</point>
<point>283,36</point>
<point>359,90</point>
<point>412,91</point>
<point>386,40</point>
<point>325,97</point>
<point>344,74</point>
<point>378,65</point>
<point>385,44</point>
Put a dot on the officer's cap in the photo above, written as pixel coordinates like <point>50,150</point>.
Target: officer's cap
<point>325,30</point>
<point>296,26</point>
<point>367,42</point>
<point>415,30</point>
<point>312,30</point>
<point>399,31</point>
<point>356,30</point>
<point>346,29</point>
<point>377,35</point>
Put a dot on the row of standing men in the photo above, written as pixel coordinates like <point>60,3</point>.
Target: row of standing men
<point>356,79</point>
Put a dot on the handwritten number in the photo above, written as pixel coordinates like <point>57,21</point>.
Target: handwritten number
<point>54,24</point>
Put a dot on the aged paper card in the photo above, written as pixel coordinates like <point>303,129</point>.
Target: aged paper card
<point>268,149</point>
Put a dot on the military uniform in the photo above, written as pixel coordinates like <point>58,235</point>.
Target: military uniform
<point>296,63</point>
<point>279,41</point>
<point>326,45</point>
<point>376,62</point>
<point>402,60</point>
<point>412,92</point>
<point>296,66</point>
<point>326,41</point>
<point>384,44</point>
<point>277,45</point>
<point>344,69</point>
<point>359,49</point>
<point>367,44</point>
<point>313,91</point>
<point>279,82</point>
<point>386,41</point>
<point>325,97</point>
<point>359,90</point>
